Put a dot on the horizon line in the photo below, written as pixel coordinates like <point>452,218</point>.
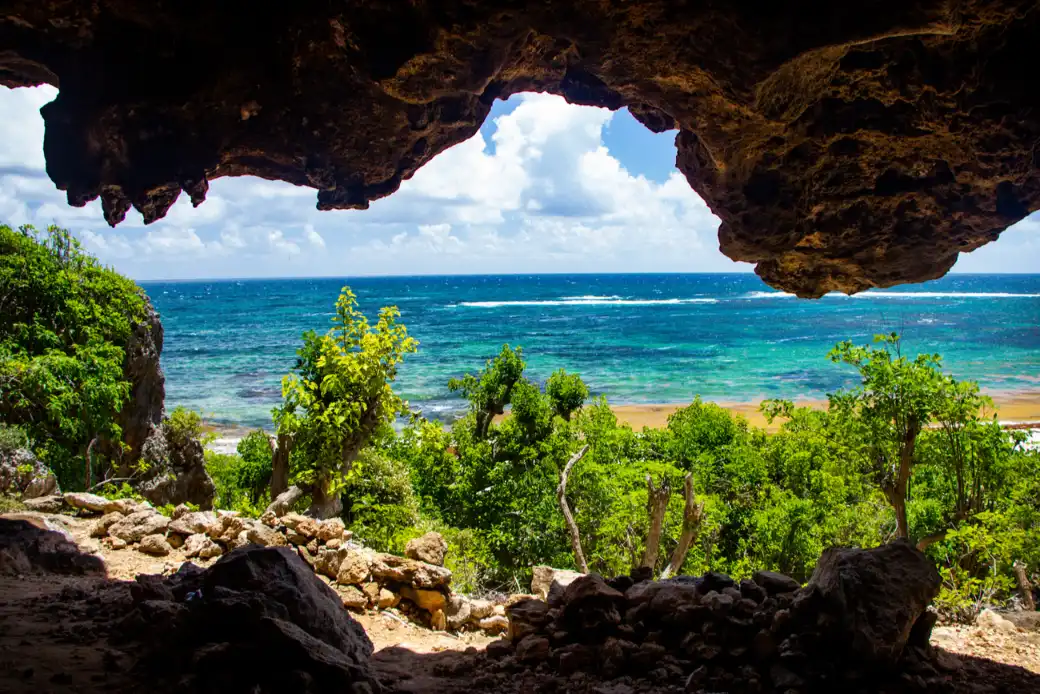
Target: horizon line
<point>533,274</point>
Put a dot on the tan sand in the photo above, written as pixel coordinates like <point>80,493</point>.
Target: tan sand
<point>1011,407</point>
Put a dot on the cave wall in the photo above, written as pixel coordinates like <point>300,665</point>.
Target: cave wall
<point>843,145</point>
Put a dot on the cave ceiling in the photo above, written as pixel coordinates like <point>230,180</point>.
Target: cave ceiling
<point>843,145</point>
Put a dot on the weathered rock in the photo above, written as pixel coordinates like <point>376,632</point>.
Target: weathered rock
<point>352,597</point>
<point>155,545</point>
<point>988,619</point>
<point>174,540</point>
<point>100,527</point>
<point>139,524</point>
<point>197,522</point>
<point>372,590</point>
<point>176,468</point>
<point>269,519</point>
<point>438,621</point>
<point>334,543</point>
<point>81,501</point>
<point>126,506</point>
<point>229,529</point>
<point>201,546</point>
<point>543,578</point>
<point>525,617</point>
<point>26,548</point>
<point>871,598</point>
<point>260,534</point>
<point>179,511</point>
<point>458,612</point>
<point>391,568</point>
<point>591,606</point>
<point>45,504</point>
<point>481,608</point>
<point>327,561</point>
<point>308,527</point>
<point>532,649</point>
<point>387,599</point>
<point>429,600</point>
<point>775,583</point>
<point>353,566</point>
<point>495,624</point>
<point>429,548</point>
<point>115,543</point>
<point>330,529</point>
<point>842,145</point>
<point>22,474</point>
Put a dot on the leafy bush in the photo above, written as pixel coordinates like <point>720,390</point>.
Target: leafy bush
<point>11,439</point>
<point>380,507</point>
<point>65,321</point>
<point>228,471</point>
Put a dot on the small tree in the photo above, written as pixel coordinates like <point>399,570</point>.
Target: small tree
<point>887,413</point>
<point>338,396</point>
<point>567,393</point>
<point>491,390</point>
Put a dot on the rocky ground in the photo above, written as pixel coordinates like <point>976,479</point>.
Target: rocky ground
<point>96,631</point>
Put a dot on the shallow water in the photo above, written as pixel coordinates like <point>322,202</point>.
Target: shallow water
<point>633,338</point>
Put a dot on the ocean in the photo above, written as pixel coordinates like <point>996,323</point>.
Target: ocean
<point>633,338</point>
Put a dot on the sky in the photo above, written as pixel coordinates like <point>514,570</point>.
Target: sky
<point>545,186</point>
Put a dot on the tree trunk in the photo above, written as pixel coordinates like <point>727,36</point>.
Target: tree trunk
<point>898,501</point>
<point>1025,589</point>
<point>87,475</point>
<point>572,527</point>
<point>324,503</point>
<point>280,464</point>
<point>656,505</point>
<point>929,540</point>
<point>285,501</point>
<point>692,513</point>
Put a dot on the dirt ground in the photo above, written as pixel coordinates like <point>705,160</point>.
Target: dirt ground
<point>61,634</point>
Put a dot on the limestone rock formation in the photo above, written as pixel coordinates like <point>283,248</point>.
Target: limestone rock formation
<point>24,475</point>
<point>843,145</point>
<point>176,470</point>
<point>429,548</point>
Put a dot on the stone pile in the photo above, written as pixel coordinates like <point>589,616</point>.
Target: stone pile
<point>418,585</point>
<point>860,624</point>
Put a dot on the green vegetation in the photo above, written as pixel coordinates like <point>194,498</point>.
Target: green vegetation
<point>536,472</point>
<point>64,322</point>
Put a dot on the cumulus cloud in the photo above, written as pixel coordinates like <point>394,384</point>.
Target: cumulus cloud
<point>537,189</point>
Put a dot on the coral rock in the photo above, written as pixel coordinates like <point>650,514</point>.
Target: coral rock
<point>155,545</point>
<point>429,548</point>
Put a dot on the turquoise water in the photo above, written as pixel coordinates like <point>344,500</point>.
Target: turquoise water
<point>633,338</point>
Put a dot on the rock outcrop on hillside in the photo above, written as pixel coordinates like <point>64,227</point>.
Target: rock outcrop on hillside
<point>843,145</point>
<point>23,475</point>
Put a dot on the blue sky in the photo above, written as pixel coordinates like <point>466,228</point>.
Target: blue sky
<point>544,187</point>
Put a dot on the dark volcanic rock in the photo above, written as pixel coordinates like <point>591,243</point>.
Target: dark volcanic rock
<point>843,145</point>
<point>257,620</point>
<point>26,548</point>
<point>869,600</point>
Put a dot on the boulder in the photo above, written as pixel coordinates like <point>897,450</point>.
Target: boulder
<point>388,568</point>
<point>176,468</point>
<point>387,599</point>
<point>257,620</point>
<point>775,583</point>
<point>988,619</point>
<point>330,529</point>
<point>526,616</point>
<point>126,506</point>
<point>201,546</point>
<point>22,474</point>
<point>429,548</point>
<point>231,526</point>
<point>308,527</point>
<point>260,534</point>
<point>353,567</point>
<point>270,519</point>
<point>429,600</point>
<point>591,606</point>
<point>458,611</point>
<point>353,598</point>
<point>532,649</point>
<point>139,524</point>
<point>45,504</point>
<point>179,511</point>
<point>543,578</point>
<point>327,561</point>
<point>115,543</point>
<point>176,541</point>
<point>27,548</point>
<point>198,522</point>
<point>101,526</point>
<point>481,608</point>
<point>495,624</point>
<point>869,600</point>
<point>82,501</point>
<point>155,545</point>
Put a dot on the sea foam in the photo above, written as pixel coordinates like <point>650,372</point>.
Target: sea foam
<point>588,301</point>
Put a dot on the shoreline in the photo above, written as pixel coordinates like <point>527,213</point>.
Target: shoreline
<point>1017,410</point>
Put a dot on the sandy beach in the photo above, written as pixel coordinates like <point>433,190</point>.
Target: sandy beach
<point>1012,408</point>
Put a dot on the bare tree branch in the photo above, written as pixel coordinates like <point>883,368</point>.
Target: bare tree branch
<point>692,514</point>
<point>656,505</point>
<point>572,527</point>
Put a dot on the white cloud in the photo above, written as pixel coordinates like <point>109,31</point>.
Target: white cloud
<point>538,191</point>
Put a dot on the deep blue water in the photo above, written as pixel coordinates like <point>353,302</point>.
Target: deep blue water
<point>633,338</point>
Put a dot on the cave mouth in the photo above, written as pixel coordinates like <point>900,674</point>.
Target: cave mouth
<point>842,147</point>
